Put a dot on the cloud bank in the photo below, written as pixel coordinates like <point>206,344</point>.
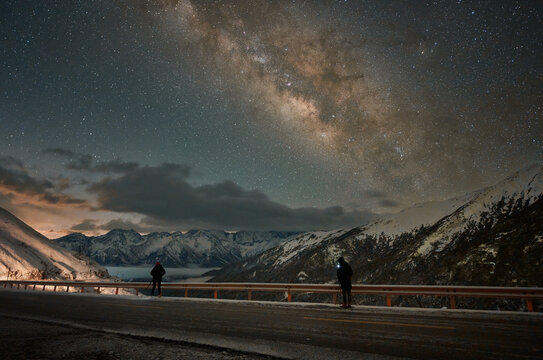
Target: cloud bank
<point>15,179</point>
<point>164,196</point>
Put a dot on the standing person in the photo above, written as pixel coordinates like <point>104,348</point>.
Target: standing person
<point>344,273</point>
<point>157,273</point>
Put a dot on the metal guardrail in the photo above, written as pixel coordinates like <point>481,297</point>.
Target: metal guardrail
<point>452,292</point>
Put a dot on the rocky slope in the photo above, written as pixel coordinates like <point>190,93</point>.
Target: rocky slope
<point>26,254</point>
<point>205,248</point>
<point>493,236</point>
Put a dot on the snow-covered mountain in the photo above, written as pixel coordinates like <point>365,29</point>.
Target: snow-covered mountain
<point>26,254</point>
<point>493,236</point>
<point>206,248</point>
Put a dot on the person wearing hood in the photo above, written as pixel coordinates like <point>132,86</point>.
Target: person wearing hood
<point>157,273</point>
<point>344,273</point>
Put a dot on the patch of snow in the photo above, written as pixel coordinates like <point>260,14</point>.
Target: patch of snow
<point>412,218</point>
<point>26,254</point>
<point>488,249</point>
<point>291,248</point>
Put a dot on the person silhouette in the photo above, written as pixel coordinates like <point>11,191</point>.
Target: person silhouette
<point>157,273</point>
<point>344,273</point>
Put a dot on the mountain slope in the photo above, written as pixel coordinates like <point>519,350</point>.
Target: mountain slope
<point>493,236</point>
<point>206,248</point>
<point>26,254</point>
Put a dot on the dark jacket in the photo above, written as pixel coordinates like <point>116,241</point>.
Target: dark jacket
<point>157,272</point>
<point>344,273</point>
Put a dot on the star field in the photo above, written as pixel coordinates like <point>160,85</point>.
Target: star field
<point>324,112</point>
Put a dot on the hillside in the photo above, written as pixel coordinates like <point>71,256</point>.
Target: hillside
<point>26,254</point>
<point>493,236</point>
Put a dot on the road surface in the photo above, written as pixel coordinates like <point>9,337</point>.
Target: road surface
<point>298,331</point>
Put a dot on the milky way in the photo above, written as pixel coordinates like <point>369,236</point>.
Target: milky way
<point>307,77</point>
<point>304,114</point>
<point>303,81</point>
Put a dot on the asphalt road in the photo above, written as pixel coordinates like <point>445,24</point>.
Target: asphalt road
<point>292,330</point>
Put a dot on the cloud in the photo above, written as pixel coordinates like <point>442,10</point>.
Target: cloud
<point>85,225</point>
<point>63,183</point>
<point>388,203</point>
<point>15,179</point>
<point>86,162</point>
<point>60,151</point>
<point>128,225</point>
<point>375,194</point>
<point>91,225</point>
<point>163,195</point>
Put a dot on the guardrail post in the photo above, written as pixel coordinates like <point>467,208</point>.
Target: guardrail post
<point>452,301</point>
<point>530,305</point>
<point>451,292</point>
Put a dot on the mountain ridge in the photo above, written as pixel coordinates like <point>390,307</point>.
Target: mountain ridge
<point>206,248</point>
<point>27,254</point>
<point>492,236</point>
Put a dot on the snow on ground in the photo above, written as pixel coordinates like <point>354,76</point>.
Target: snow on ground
<point>525,184</point>
<point>412,218</point>
<point>26,254</point>
<point>301,243</point>
<point>302,275</point>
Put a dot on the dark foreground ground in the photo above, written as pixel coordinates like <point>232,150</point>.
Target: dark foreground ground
<point>47,325</point>
<point>25,339</point>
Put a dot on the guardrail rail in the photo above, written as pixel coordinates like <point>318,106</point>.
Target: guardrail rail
<point>452,292</point>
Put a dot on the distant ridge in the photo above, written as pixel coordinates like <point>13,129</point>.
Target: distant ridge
<point>206,248</point>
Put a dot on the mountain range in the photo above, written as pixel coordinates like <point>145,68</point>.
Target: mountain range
<point>205,248</point>
<point>491,237</point>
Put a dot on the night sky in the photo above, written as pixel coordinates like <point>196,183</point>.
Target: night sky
<point>266,115</point>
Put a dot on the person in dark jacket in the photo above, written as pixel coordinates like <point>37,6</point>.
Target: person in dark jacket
<point>157,273</point>
<point>344,273</point>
